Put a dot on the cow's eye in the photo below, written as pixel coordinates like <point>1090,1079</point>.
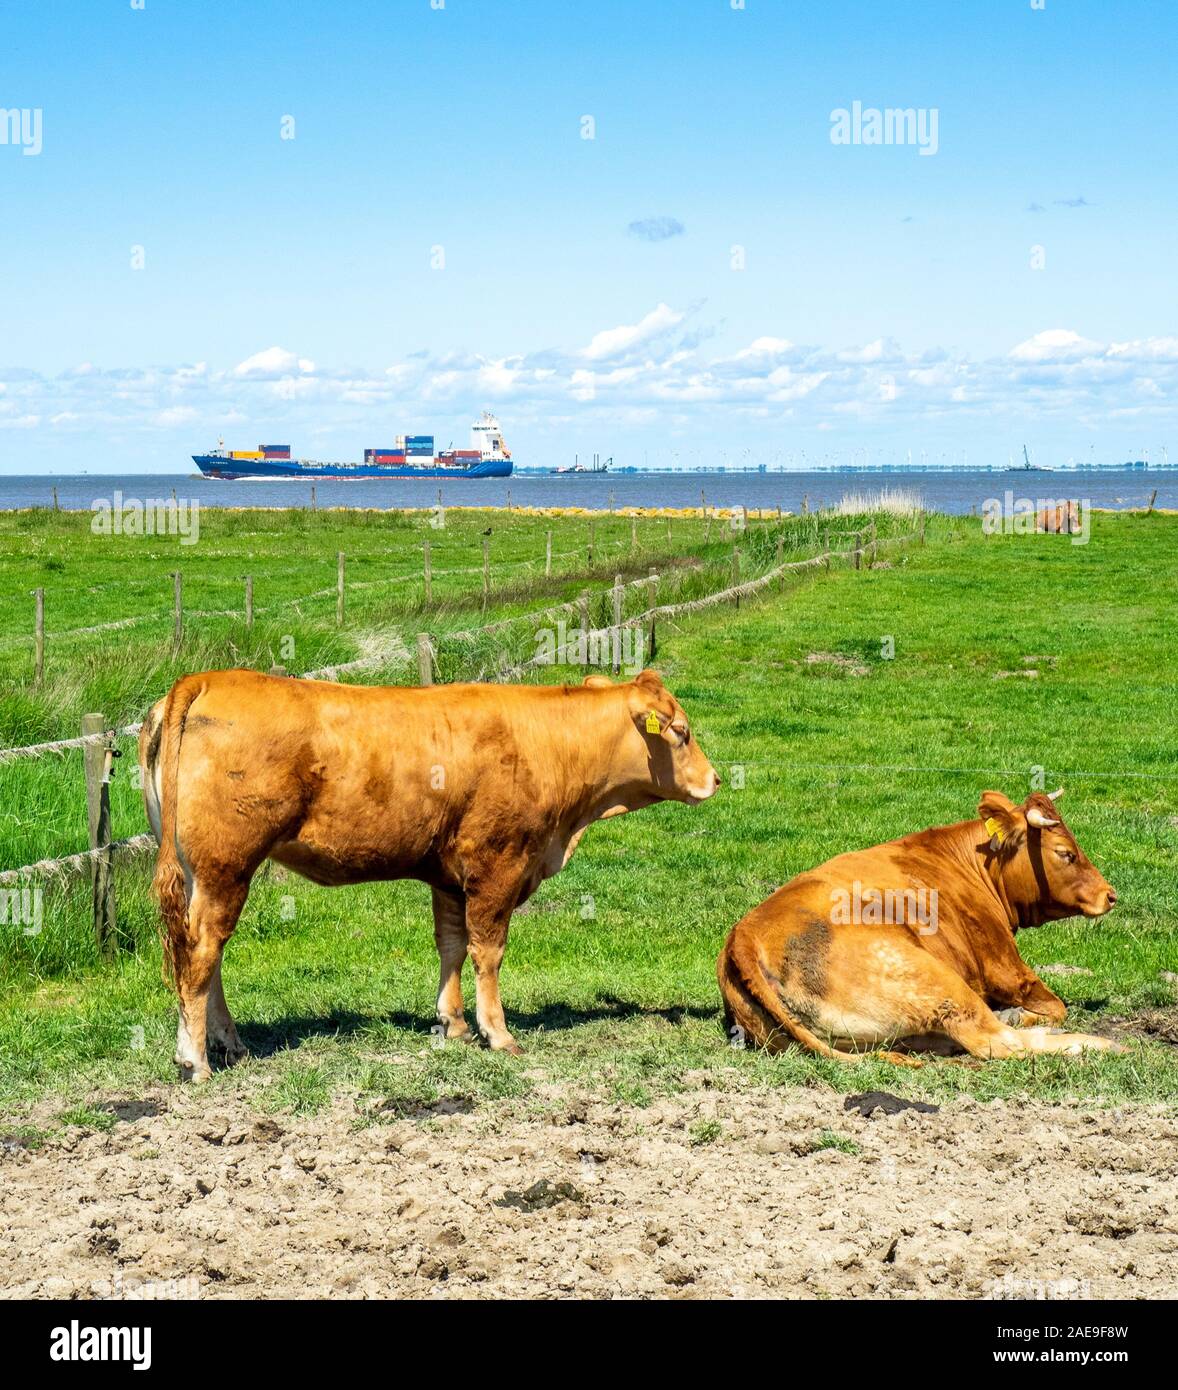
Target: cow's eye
<point>1066,855</point>
<point>682,733</point>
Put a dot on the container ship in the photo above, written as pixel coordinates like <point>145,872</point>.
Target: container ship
<point>412,456</point>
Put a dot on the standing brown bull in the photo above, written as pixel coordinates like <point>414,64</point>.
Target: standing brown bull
<point>912,943</point>
<point>481,791</point>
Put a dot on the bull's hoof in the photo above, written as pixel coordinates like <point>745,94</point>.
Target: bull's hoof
<point>189,1071</point>
<point>233,1055</point>
<point>510,1046</point>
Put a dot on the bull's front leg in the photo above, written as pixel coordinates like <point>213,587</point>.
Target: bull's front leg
<point>1028,1003</point>
<point>451,939</point>
<point>488,916</point>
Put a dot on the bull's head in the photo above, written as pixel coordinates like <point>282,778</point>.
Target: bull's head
<point>672,765</point>
<point>1044,874</point>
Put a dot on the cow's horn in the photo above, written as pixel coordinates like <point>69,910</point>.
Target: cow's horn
<point>1055,795</point>
<point>1040,819</point>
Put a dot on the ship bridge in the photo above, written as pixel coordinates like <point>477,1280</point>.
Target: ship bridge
<point>487,438</point>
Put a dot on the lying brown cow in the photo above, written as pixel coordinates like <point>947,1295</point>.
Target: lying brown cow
<point>1062,519</point>
<point>481,791</point>
<point>911,944</point>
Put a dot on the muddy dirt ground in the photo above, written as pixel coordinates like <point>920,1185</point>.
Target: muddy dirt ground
<point>711,1193</point>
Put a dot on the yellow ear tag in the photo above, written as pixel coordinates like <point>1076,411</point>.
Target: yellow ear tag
<point>652,723</point>
<point>992,828</point>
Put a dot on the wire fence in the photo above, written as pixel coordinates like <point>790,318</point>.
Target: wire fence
<point>98,743</point>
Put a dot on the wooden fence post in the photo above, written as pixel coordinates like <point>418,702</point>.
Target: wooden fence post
<point>856,538</point>
<point>486,571</point>
<point>314,506</point>
<point>425,666</point>
<point>56,507</point>
<point>428,576</point>
<point>805,504</point>
<point>922,519</point>
<point>548,553</point>
<point>39,637</point>
<point>874,545</point>
<point>651,638</point>
<point>617,632</point>
<point>1153,497</point>
<point>826,548</point>
<point>780,557</point>
<point>177,609</point>
<point>339,588</point>
<point>97,767</point>
<point>249,600</point>
<point>611,503</point>
<point>736,572</point>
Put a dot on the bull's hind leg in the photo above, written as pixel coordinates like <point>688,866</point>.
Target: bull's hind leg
<point>450,936</point>
<point>879,984</point>
<point>487,920</point>
<point>212,916</point>
<point>220,1028</point>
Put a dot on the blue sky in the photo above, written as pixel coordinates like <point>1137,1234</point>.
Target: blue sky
<point>887,299</point>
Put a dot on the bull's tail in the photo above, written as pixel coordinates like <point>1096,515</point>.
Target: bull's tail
<point>169,885</point>
<point>754,1004</point>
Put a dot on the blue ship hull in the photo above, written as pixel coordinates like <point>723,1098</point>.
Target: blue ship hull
<point>218,466</point>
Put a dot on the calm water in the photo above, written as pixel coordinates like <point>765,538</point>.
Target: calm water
<point>959,491</point>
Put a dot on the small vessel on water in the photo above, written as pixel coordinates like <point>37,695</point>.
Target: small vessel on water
<point>412,456</point>
<point>1028,466</point>
<point>579,467</point>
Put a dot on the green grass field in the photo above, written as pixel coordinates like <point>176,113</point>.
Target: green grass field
<point>608,980</point>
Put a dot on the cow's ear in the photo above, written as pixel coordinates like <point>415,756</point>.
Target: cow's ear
<point>1004,821</point>
<point>652,709</point>
<point>650,680</point>
<point>597,682</point>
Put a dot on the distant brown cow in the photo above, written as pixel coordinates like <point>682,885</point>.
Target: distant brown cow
<point>1063,518</point>
<point>481,791</point>
<point>912,944</point>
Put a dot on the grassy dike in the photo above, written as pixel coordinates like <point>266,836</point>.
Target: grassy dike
<point>608,980</point>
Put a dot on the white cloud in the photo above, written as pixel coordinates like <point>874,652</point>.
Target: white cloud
<point>655,368</point>
<point>273,363</point>
<point>1146,350</point>
<point>613,342</point>
<point>878,351</point>
<point>1054,345</point>
<point>764,347</point>
<point>176,415</point>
